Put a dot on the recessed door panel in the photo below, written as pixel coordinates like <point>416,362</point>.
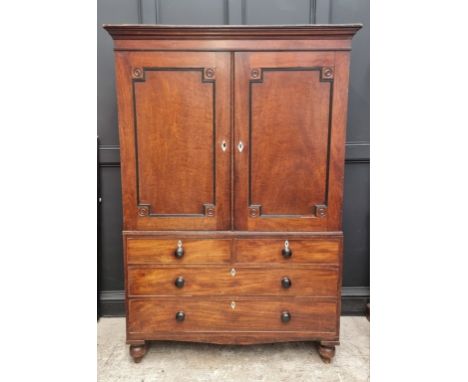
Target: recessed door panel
<point>175,131</point>
<point>289,118</point>
<point>288,135</point>
<point>175,138</point>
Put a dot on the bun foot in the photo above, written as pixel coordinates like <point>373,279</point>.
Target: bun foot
<point>326,351</point>
<point>138,351</point>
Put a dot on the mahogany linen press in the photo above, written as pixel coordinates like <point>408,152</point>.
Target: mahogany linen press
<point>232,142</point>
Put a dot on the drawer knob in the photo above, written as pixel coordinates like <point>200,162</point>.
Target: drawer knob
<point>179,253</point>
<point>179,282</point>
<point>285,316</point>
<point>286,282</point>
<point>287,253</point>
<point>180,316</point>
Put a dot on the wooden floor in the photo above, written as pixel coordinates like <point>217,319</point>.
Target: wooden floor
<point>184,362</point>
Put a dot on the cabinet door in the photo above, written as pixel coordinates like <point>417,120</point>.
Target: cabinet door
<point>174,132</point>
<point>290,118</point>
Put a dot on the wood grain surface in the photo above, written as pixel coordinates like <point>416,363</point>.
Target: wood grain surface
<point>161,251</point>
<point>306,281</point>
<point>326,251</point>
<point>157,315</point>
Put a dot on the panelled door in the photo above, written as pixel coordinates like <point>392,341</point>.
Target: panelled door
<point>175,132</point>
<point>289,134</point>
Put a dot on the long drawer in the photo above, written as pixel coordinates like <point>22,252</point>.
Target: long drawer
<point>164,251</point>
<point>148,316</point>
<point>289,251</point>
<point>197,281</point>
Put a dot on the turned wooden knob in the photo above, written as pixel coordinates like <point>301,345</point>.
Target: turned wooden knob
<point>180,316</point>
<point>179,282</point>
<point>286,282</point>
<point>179,252</point>
<point>285,316</point>
<point>286,252</point>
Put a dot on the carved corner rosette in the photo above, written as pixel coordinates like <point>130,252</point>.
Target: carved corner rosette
<point>327,73</point>
<point>256,74</point>
<point>210,210</point>
<point>255,210</point>
<point>138,73</point>
<point>209,74</point>
<point>320,210</point>
<point>143,211</point>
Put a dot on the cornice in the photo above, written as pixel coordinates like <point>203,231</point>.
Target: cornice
<point>230,32</point>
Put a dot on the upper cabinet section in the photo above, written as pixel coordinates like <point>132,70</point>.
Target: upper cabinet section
<point>232,128</point>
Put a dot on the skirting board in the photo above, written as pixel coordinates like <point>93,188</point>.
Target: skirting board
<point>353,302</point>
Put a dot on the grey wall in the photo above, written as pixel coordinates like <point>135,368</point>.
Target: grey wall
<point>356,203</point>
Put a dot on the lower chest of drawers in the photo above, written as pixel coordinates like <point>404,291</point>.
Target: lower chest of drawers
<point>236,285</point>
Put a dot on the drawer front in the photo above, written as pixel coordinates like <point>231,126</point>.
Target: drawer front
<point>324,251</point>
<point>191,251</point>
<point>159,315</point>
<point>191,281</point>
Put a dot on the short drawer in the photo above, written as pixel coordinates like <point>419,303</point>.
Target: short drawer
<point>191,281</point>
<point>276,251</point>
<point>231,314</point>
<point>190,251</point>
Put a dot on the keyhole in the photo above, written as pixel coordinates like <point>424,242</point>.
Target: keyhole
<point>223,146</point>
